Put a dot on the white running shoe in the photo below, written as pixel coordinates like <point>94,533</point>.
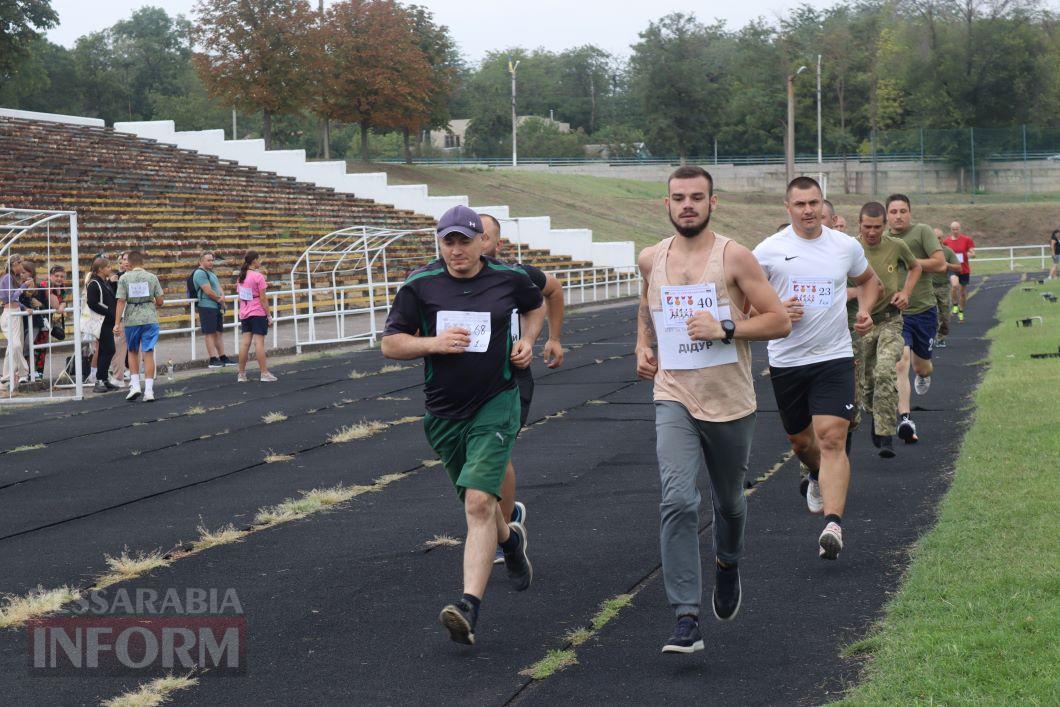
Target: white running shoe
<point>134,393</point>
<point>116,383</point>
<point>241,378</point>
<point>831,541</point>
<point>922,384</point>
<point>814,502</point>
<point>149,396</point>
<point>268,378</point>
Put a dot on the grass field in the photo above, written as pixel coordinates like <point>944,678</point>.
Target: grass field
<point>632,210</point>
<point>977,620</point>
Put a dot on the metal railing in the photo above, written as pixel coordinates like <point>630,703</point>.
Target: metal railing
<point>1040,253</point>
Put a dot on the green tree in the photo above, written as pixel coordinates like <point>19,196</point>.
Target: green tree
<point>21,22</point>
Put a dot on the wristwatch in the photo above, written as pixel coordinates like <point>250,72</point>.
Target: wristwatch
<point>729,327</point>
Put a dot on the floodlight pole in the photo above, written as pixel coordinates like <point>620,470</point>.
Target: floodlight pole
<point>789,148</point>
<point>820,154</point>
<point>515,156</point>
<point>233,123</point>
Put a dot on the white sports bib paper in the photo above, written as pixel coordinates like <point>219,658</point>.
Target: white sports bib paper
<point>677,351</point>
<point>139,289</point>
<point>478,323</point>
<point>812,292</point>
<point>960,258</point>
<point>679,302</point>
<point>245,293</point>
<point>517,331</point>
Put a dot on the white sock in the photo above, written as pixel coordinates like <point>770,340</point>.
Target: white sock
<point>149,384</point>
<point>134,380</point>
<point>93,372</point>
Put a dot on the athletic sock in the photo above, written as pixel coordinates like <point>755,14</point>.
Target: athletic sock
<point>511,544</point>
<point>93,371</point>
<point>134,380</point>
<point>470,603</point>
<point>814,473</point>
<point>833,518</point>
<point>149,384</point>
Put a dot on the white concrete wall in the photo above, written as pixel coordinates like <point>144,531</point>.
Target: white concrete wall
<point>534,231</point>
<point>52,117</point>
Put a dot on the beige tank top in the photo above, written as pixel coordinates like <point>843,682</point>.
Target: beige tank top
<point>717,393</point>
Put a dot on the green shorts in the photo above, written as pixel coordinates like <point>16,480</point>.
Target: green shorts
<point>475,451</point>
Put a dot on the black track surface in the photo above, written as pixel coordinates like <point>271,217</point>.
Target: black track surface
<point>341,607</point>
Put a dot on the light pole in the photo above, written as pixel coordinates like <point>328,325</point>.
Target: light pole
<point>789,147</point>
<point>820,156</point>
<point>511,69</point>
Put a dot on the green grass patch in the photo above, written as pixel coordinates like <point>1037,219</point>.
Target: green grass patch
<point>609,610</point>
<point>25,448</point>
<point>977,619</point>
<point>552,663</point>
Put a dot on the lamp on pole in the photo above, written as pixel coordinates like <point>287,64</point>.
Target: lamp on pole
<point>789,147</point>
<point>820,155</point>
<point>511,70</point>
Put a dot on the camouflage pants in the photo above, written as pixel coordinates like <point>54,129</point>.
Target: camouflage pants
<point>855,341</point>
<point>942,299</point>
<point>880,351</point>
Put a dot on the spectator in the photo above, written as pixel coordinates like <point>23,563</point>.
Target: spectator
<point>120,373</point>
<point>52,292</point>
<point>139,296</point>
<point>1054,243</point>
<point>32,300</point>
<point>254,317</point>
<point>101,300</point>
<point>211,306</point>
<point>11,289</point>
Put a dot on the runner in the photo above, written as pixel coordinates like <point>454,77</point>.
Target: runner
<point>812,370</point>
<point>920,319</point>
<point>697,286</point>
<point>881,348</point>
<point>456,314</point>
<point>552,354</point>
<point>831,219</point>
<point>964,247</point>
<point>940,282</point>
<point>139,295</point>
<point>1054,244</point>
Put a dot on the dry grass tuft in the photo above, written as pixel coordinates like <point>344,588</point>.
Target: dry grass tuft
<point>393,368</point>
<point>126,566</point>
<point>406,420</point>
<point>17,610</point>
<point>357,431</point>
<point>25,448</point>
<point>274,458</point>
<point>356,375</point>
<point>387,479</point>
<point>208,538</point>
<point>156,692</point>
<point>273,417</point>
<point>197,410</point>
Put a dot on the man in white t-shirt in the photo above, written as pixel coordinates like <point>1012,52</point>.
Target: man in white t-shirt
<point>812,370</point>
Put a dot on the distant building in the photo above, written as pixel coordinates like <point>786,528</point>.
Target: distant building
<point>451,139</point>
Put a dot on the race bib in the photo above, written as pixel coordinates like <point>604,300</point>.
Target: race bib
<point>960,258</point>
<point>517,331</point>
<point>246,294</point>
<point>678,352</point>
<point>139,289</point>
<point>812,292</point>
<point>679,302</point>
<point>478,323</point>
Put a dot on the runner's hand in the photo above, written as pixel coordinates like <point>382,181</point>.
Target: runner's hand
<point>899,300</point>
<point>452,341</point>
<point>702,326</point>
<point>552,353</point>
<point>117,330</point>
<point>647,365</point>
<point>863,324</point>
<point>522,354</point>
<point>794,308</point>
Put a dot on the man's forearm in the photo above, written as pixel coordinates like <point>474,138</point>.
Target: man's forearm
<point>531,324</point>
<point>645,326</point>
<point>405,347</point>
<point>554,304</point>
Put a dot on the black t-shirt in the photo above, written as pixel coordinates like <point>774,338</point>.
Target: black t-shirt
<point>1056,243</point>
<point>537,276</point>
<point>457,385</point>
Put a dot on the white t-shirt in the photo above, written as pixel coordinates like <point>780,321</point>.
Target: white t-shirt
<point>816,271</point>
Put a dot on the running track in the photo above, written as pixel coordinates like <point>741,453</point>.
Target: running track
<point>341,607</point>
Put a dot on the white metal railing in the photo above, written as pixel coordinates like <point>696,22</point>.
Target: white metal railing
<point>1007,254</point>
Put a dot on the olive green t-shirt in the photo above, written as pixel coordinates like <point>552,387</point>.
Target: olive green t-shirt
<point>938,279</point>
<point>922,241</point>
<point>139,289</point>
<point>892,260</point>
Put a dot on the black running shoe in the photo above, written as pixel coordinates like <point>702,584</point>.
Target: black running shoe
<point>459,620</point>
<point>727,592</point>
<point>886,446</point>
<point>225,361</point>
<point>686,638</point>
<point>214,363</point>
<point>907,431</point>
<point>520,571</point>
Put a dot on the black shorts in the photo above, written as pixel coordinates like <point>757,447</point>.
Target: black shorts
<point>825,388</point>
<point>919,331</point>
<point>964,278</point>
<point>259,326</point>
<point>525,381</point>
<point>211,320</point>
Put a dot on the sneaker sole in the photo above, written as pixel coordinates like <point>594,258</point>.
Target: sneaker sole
<point>830,546</point>
<point>671,648</point>
<point>457,626</point>
<point>132,398</point>
<point>730,617</point>
<point>887,453</point>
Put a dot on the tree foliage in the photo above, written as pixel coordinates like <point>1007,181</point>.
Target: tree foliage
<point>20,24</point>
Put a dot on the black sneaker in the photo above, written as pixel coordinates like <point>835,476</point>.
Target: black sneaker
<point>520,571</point>
<point>459,620</point>
<point>727,592</point>
<point>686,637</point>
<point>907,431</point>
<point>225,361</point>
<point>215,363</point>
<point>886,446</point>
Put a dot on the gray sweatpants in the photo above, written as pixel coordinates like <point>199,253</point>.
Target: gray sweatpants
<point>685,446</point>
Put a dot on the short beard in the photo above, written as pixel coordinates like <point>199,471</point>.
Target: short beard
<point>693,230</point>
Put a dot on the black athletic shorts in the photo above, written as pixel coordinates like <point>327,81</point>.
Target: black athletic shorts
<point>964,278</point>
<point>918,331</point>
<point>525,381</point>
<point>211,320</point>
<point>825,388</point>
<point>258,325</point>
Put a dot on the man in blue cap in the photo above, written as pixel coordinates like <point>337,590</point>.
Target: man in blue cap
<point>455,313</point>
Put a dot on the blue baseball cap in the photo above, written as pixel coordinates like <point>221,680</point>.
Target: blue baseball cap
<point>459,219</point>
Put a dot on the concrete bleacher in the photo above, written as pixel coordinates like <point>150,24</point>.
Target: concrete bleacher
<point>173,203</point>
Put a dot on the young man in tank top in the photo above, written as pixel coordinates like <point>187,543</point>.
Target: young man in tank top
<point>812,370</point>
<point>697,287</point>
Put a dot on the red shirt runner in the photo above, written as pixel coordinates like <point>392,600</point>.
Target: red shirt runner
<point>961,245</point>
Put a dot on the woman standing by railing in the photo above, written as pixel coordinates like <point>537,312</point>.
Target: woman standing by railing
<point>101,300</point>
<point>254,316</point>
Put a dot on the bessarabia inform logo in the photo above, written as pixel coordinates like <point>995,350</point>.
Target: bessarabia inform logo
<point>143,632</point>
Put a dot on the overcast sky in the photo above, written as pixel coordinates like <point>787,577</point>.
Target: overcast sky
<point>481,25</point>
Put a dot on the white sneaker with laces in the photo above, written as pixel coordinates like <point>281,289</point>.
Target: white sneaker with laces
<point>91,380</point>
<point>134,393</point>
<point>922,384</point>
<point>149,396</point>
<point>268,378</point>
<point>241,378</point>
<point>831,541</point>
<point>814,502</point>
